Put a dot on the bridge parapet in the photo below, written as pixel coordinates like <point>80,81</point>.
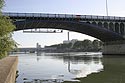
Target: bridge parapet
<point>89,17</point>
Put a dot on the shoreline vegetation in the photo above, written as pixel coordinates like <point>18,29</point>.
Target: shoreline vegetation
<point>78,46</point>
<point>6,30</point>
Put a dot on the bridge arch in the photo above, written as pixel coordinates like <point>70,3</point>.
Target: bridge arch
<point>117,27</point>
<point>94,23</point>
<point>88,22</point>
<point>100,24</point>
<point>91,29</point>
<point>111,26</point>
<point>106,25</point>
<point>122,28</point>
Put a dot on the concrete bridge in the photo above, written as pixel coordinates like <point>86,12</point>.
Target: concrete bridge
<point>109,29</point>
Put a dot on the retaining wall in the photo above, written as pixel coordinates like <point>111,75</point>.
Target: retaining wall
<point>8,68</point>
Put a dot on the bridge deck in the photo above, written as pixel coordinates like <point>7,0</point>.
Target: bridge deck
<point>63,16</point>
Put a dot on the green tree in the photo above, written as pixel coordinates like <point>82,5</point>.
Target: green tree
<point>77,45</point>
<point>1,4</point>
<point>6,28</point>
<point>97,45</point>
<point>87,45</point>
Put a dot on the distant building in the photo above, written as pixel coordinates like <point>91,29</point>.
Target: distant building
<point>66,42</point>
<point>38,46</point>
<point>70,41</point>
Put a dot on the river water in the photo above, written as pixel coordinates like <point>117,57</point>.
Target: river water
<point>60,67</point>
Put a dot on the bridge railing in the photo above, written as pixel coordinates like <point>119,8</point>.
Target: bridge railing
<point>63,16</point>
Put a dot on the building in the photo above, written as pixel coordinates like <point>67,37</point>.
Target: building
<point>70,41</point>
<point>66,42</point>
<point>38,46</point>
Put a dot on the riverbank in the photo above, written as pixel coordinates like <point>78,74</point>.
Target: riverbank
<point>8,68</point>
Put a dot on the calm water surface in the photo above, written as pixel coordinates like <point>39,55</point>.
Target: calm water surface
<point>57,67</point>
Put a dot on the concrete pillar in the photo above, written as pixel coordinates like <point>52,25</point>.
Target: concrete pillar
<point>114,48</point>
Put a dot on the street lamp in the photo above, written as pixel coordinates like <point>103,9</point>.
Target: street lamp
<point>107,7</point>
<point>68,36</point>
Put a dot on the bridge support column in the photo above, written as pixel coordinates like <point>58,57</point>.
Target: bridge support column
<point>114,48</point>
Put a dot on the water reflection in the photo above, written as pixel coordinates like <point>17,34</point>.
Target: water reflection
<point>38,54</point>
<point>56,67</point>
<point>76,69</point>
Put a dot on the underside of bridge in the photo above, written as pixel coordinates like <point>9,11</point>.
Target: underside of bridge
<point>81,27</point>
<point>113,42</point>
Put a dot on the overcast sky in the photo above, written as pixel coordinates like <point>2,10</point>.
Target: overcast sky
<point>82,7</point>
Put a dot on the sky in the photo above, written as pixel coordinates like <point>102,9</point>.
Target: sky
<point>79,7</point>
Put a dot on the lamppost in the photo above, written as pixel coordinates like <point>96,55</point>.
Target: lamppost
<point>107,7</point>
<point>68,36</point>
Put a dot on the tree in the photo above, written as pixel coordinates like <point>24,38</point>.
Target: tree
<point>97,45</point>
<point>87,45</point>
<point>6,29</point>
<point>77,45</point>
<point>1,4</point>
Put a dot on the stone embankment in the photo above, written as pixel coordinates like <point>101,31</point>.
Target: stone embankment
<point>8,68</point>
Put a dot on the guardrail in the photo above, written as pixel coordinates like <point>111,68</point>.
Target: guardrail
<point>63,16</point>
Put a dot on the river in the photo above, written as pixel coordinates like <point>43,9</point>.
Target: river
<point>83,67</point>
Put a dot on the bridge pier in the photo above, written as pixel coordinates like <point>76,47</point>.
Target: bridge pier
<point>114,48</point>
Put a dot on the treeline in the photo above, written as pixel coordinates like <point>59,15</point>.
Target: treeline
<point>79,46</point>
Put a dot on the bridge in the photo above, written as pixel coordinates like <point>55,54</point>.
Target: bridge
<point>109,29</point>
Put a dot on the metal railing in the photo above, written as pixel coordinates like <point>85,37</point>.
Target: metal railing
<point>62,16</point>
